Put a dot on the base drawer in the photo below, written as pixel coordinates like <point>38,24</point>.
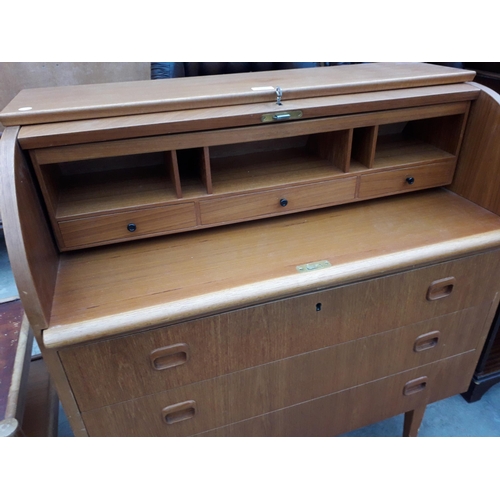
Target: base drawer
<point>344,411</point>
<point>127,225</point>
<point>220,401</point>
<point>253,336</point>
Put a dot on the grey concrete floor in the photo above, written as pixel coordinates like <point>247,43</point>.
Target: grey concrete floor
<point>452,417</point>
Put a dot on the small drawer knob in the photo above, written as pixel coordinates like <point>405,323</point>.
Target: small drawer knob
<point>410,180</point>
<point>283,202</point>
<point>131,227</point>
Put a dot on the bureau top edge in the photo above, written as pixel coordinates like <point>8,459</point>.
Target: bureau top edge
<point>220,117</point>
<point>78,102</point>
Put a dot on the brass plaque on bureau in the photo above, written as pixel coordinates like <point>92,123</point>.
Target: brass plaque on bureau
<point>313,266</point>
<point>281,116</point>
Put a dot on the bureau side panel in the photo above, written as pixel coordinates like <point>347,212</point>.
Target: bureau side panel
<point>33,256</point>
<point>477,176</point>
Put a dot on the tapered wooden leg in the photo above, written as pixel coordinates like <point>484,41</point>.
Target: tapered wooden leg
<point>413,419</point>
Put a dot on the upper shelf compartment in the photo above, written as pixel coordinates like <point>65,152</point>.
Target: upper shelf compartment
<point>279,162</point>
<point>224,176</point>
<point>82,188</point>
<point>407,143</point>
<point>427,140</point>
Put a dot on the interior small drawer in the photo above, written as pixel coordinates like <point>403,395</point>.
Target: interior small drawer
<point>270,388</point>
<point>403,180</point>
<point>129,225</point>
<point>277,202</point>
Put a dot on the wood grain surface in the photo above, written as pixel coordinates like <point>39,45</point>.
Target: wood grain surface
<point>364,405</point>
<point>110,372</point>
<point>196,274</point>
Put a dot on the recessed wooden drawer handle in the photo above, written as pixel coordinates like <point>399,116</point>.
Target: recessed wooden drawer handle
<point>440,289</point>
<point>179,412</point>
<point>170,356</point>
<point>414,386</point>
<point>426,341</point>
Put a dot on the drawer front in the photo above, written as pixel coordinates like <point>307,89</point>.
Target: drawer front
<point>252,336</point>
<point>406,179</point>
<point>109,372</point>
<point>364,405</point>
<point>116,227</point>
<point>270,388</point>
<point>277,202</point>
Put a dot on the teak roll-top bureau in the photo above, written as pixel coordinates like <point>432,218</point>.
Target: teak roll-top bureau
<point>286,253</point>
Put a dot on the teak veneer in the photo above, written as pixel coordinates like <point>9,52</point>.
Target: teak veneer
<point>196,259</point>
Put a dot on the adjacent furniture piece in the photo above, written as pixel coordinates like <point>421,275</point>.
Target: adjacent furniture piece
<point>487,74</point>
<point>16,340</point>
<point>181,69</point>
<point>487,372</point>
<point>285,253</point>
<point>28,401</point>
<point>41,412</point>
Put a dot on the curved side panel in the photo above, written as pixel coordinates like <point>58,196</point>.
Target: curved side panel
<point>477,176</point>
<point>33,256</point>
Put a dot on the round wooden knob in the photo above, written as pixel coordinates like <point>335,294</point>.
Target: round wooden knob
<point>131,227</point>
<point>283,202</point>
